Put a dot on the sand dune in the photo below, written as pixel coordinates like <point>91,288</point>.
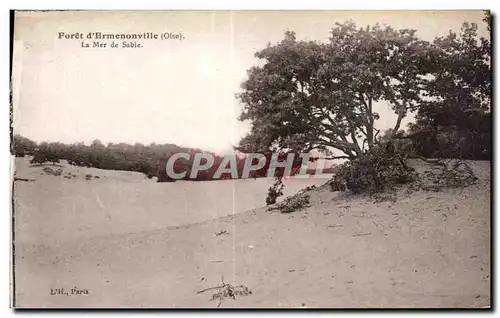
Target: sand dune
<point>430,249</point>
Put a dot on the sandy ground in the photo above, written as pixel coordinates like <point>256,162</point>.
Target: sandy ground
<point>430,249</point>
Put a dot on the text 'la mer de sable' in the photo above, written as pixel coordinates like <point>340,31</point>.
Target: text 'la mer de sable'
<point>103,45</point>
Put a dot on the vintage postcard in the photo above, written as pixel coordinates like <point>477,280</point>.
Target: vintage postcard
<point>251,159</point>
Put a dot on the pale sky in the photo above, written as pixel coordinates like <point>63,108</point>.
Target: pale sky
<point>169,91</point>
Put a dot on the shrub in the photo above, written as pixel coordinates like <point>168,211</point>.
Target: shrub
<point>384,166</point>
<point>294,203</point>
<point>88,176</point>
<point>452,174</point>
<point>275,191</point>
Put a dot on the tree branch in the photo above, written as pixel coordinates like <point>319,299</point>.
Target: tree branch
<point>376,134</point>
<point>353,136</point>
<point>401,115</point>
<point>337,157</point>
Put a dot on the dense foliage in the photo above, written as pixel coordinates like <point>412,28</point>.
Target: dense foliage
<point>455,120</point>
<point>22,146</point>
<point>311,95</point>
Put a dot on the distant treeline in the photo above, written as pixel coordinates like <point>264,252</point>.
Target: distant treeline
<point>148,159</point>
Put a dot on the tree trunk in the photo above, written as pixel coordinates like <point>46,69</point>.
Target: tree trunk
<point>369,126</point>
<point>401,115</point>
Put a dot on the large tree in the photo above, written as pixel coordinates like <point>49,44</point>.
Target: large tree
<point>454,119</point>
<point>311,95</point>
<point>48,152</point>
<point>22,146</point>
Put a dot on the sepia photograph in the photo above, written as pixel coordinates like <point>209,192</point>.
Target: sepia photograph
<point>292,159</point>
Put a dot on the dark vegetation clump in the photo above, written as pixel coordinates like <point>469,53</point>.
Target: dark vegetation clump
<point>22,146</point>
<point>470,139</point>
<point>383,167</point>
<point>275,191</point>
<point>45,153</point>
<point>293,203</point>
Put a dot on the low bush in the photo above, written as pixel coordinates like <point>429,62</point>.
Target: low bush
<point>451,174</point>
<point>384,166</point>
<point>293,203</point>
